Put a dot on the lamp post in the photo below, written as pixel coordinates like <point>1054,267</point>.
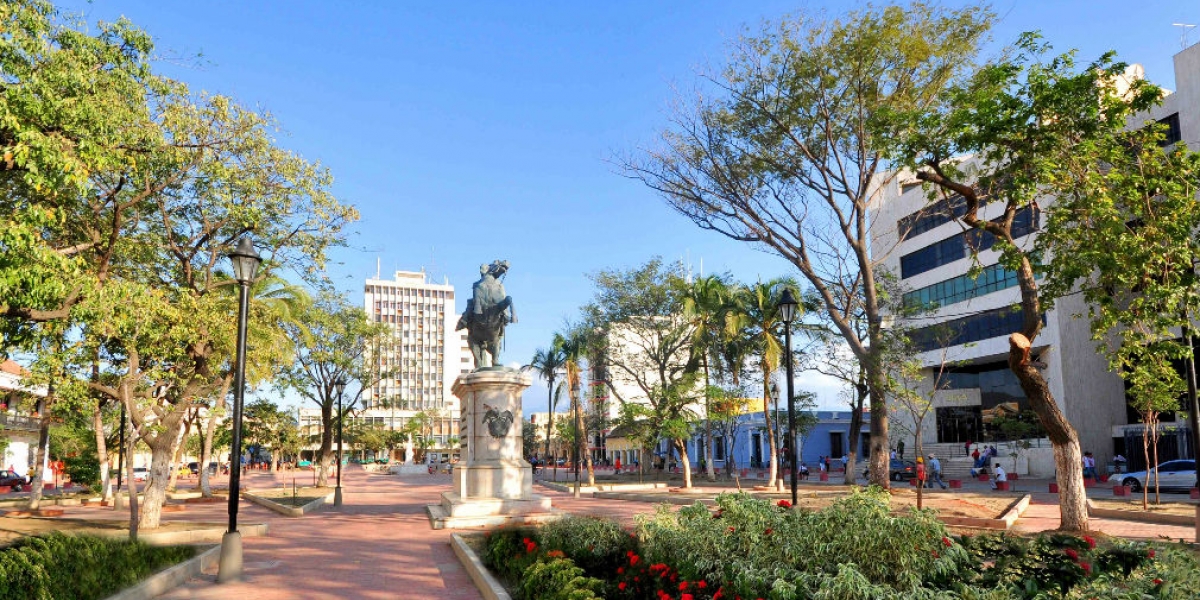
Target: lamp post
<point>245,265</point>
<point>340,385</point>
<point>787,310</point>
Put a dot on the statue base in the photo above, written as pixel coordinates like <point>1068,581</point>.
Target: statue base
<point>494,486</point>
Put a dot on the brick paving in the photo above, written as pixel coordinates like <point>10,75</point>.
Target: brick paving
<point>380,545</point>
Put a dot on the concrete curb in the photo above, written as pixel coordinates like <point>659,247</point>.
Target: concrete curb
<point>489,586</point>
<point>288,511</point>
<point>1141,517</point>
<point>1005,522</point>
<point>205,533</point>
<point>170,578</point>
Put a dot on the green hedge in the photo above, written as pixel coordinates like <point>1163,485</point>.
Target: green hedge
<point>79,567</point>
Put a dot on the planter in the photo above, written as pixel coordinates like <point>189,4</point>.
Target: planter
<point>1053,488</point>
<point>1088,482</point>
<point>983,477</point>
<point>1104,479</point>
<point>1001,486</point>
<point>824,476</point>
<point>956,484</point>
<point>1120,490</point>
<point>1195,494</point>
<point>1013,477</point>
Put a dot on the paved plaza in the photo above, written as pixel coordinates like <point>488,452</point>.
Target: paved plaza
<point>379,544</point>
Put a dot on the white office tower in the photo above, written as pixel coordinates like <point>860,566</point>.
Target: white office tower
<point>418,363</point>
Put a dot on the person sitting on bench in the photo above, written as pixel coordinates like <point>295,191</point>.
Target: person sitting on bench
<point>998,475</point>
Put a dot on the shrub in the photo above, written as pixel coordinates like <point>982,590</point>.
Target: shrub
<point>67,566</point>
<point>596,545</point>
<point>83,469</point>
<point>509,551</point>
<point>558,579</point>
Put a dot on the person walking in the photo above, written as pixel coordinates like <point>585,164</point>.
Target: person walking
<point>900,449</point>
<point>1089,465</point>
<point>617,466</point>
<point>935,472</point>
<point>967,447</point>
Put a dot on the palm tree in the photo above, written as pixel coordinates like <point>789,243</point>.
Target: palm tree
<point>547,364</point>
<point>573,347</point>
<point>706,303</point>
<point>758,315</point>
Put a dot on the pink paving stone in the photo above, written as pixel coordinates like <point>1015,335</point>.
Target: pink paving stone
<point>380,545</point>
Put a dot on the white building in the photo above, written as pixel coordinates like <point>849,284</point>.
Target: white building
<point>418,362</point>
<point>17,423</point>
<point>926,248</point>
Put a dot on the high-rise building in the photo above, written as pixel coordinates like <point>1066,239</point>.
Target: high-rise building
<point>418,363</point>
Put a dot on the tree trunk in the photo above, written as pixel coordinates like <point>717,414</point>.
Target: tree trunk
<point>1068,459</point>
<point>156,485</point>
<point>681,447</point>
<point>130,444</point>
<point>102,451</point>
<point>177,454</point>
<point>1146,455</point>
<point>880,459</point>
<point>860,396</point>
<point>210,430</point>
<point>709,470</point>
<point>326,457</point>
<point>773,470</point>
<point>39,472</point>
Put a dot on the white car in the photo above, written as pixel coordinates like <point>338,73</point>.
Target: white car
<point>141,473</point>
<point>1172,475</point>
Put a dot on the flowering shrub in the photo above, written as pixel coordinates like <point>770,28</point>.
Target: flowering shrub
<point>855,550</point>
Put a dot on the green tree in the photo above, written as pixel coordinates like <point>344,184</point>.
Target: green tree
<point>709,303</point>
<point>271,427</point>
<point>547,363</point>
<point>646,342</point>
<point>1035,126</point>
<point>332,345</point>
<point>784,152</point>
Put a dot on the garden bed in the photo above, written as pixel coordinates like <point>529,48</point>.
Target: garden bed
<point>1168,513</point>
<point>857,547</point>
<point>82,567</point>
<point>289,502</point>
<point>169,532</point>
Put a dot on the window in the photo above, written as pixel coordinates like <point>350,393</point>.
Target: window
<point>718,448</point>
<point>1173,133</point>
<point>964,287</point>
<point>941,212</point>
<point>957,246</point>
<point>974,328</point>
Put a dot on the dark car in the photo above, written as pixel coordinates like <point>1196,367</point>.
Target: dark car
<point>9,479</point>
<point>899,470</point>
<point>194,467</point>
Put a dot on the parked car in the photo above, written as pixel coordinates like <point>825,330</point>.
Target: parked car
<point>9,479</point>
<point>900,470</point>
<point>1176,475</point>
<point>141,473</point>
<point>194,467</point>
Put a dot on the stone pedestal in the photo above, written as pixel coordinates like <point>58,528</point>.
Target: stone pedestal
<point>494,484</point>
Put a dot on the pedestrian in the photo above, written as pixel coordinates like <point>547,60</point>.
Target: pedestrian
<point>893,454</point>
<point>920,472</point>
<point>821,464</point>
<point>935,472</point>
<point>967,447</point>
<point>998,475</point>
<point>803,470</point>
<point>618,466</point>
<point>1089,465</point>
<point>900,449</point>
<point>827,464</point>
<point>975,455</point>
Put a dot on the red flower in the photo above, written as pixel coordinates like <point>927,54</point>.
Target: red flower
<point>1150,553</point>
<point>947,542</point>
<point>686,597</point>
<point>732,529</point>
<point>621,586</point>
<point>701,584</point>
<point>784,504</point>
<point>1072,553</point>
<point>633,560</point>
<point>935,554</point>
<point>556,554</point>
<point>1091,542</point>
<point>1157,581</point>
<point>1086,567</point>
<point>620,570</point>
<point>683,585</point>
<point>768,531</point>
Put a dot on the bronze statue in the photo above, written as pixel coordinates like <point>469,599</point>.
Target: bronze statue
<point>488,311</point>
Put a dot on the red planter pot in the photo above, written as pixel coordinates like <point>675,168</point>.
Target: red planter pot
<point>955,484</point>
<point>1053,488</point>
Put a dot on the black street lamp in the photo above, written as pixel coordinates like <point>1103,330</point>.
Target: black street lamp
<point>245,265</point>
<point>787,310</point>
<point>340,385</point>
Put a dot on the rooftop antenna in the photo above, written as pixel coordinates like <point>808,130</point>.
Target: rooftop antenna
<point>378,263</point>
<point>1186,29</point>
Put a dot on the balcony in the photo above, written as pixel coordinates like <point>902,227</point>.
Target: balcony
<point>19,422</point>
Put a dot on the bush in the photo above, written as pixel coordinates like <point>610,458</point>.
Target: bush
<point>509,551</point>
<point>83,470</point>
<point>596,545</point>
<point>58,566</point>
<point>558,579</point>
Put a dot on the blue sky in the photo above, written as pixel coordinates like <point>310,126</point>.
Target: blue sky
<point>470,131</point>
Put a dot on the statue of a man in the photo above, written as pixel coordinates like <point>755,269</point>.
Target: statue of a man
<point>487,313</point>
